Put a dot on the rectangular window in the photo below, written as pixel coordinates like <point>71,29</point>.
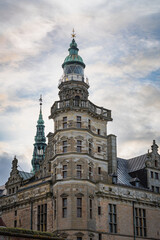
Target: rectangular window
<point>64,122</point>
<point>79,207</point>
<point>79,146</point>
<point>112,211</point>
<point>90,208</point>
<point>79,171</point>
<point>98,131</point>
<point>90,148</point>
<point>99,149</point>
<point>99,236</point>
<point>157,189</point>
<point>156,175</point>
<point>99,210</point>
<point>55,208</point>
<point>140,222</point>
<point>89,124</point>
<point>90,172</point>
<point>64,207</point>
<point>99,170</point>
<point>55,173</point>
<point>15,223</point>
<point>64,171</point>
<point>151,174</point>
<point>42,217</point>
<point>49,167</point>
<point>78,121</point>
<point>64,146</point>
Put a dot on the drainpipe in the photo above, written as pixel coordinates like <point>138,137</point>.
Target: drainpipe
<point>134,225</point>
<point>31,215</point>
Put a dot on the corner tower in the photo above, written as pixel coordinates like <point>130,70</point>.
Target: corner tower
<point>40,142</point>
<point>78,150</point>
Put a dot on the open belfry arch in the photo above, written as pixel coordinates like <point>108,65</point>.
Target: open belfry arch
<point>78,188</point>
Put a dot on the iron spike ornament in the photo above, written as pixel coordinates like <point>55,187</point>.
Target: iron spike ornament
<point>40,100</point>
<point>73,33</point>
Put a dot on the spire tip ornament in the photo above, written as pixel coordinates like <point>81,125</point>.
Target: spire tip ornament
<point>73,34</point>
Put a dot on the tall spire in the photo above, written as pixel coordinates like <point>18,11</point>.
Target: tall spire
<point>40,139</point>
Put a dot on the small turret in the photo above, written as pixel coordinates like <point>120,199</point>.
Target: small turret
<point>40,139</point>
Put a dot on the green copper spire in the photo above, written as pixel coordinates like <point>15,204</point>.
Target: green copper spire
<point>73,57</point>
<point>40,139</point>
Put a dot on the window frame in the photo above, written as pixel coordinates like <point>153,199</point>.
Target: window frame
<point>79,122</point>
<point>64,207</point>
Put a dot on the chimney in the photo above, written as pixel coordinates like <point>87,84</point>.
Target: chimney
<point>112,153</point>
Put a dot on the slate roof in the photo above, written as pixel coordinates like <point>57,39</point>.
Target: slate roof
<point>25,175</point>
<point>137,163</point>
<point>124,167</point>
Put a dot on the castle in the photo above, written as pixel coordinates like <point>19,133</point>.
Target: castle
<point>79,189</point>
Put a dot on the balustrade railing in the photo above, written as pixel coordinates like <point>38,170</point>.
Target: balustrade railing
<point>85,104</point>
<point>73,77</point>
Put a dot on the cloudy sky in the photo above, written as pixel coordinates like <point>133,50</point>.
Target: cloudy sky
<point>119,41</point>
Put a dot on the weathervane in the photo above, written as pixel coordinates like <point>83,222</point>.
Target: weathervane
<point>73,33</point>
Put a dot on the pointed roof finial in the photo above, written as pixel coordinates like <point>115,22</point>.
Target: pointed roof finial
<point>40,100</point>
<point>73,33</point>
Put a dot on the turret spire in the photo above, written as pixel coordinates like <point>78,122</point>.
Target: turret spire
<point>40,139</point>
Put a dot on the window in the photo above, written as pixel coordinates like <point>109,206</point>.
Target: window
<point>89,124</point>
<point>64,122</point>
<point>99,210</point>
<point>64,171</point>
<point>15,223</point>
<point>79,146</point>
<point>55,173</point>
<point>157,189</point>
<point>140,222</point>
<point>99,149</point>
<point>42,218</point>
<point>49,167</point>
<point>78,121</point>
<point>90,148</point>
<point>64,146</point>
<point>99,170</point>
<point>98,131</point>
<point>90,172</point>
<point>112,218</point>
<point>156,175</point>
<point>151,174</point>
<point>64,207</point>
<point>79,207</point>
<point>55,208</point>
<point>90,208</point>
<point>79,171</point>
<point>99,236</point>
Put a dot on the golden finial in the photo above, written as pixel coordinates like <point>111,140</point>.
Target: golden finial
<point>73,34</point>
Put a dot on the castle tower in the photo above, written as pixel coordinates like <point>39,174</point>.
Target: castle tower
<point>40,142</point>
<point>80,159</point>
